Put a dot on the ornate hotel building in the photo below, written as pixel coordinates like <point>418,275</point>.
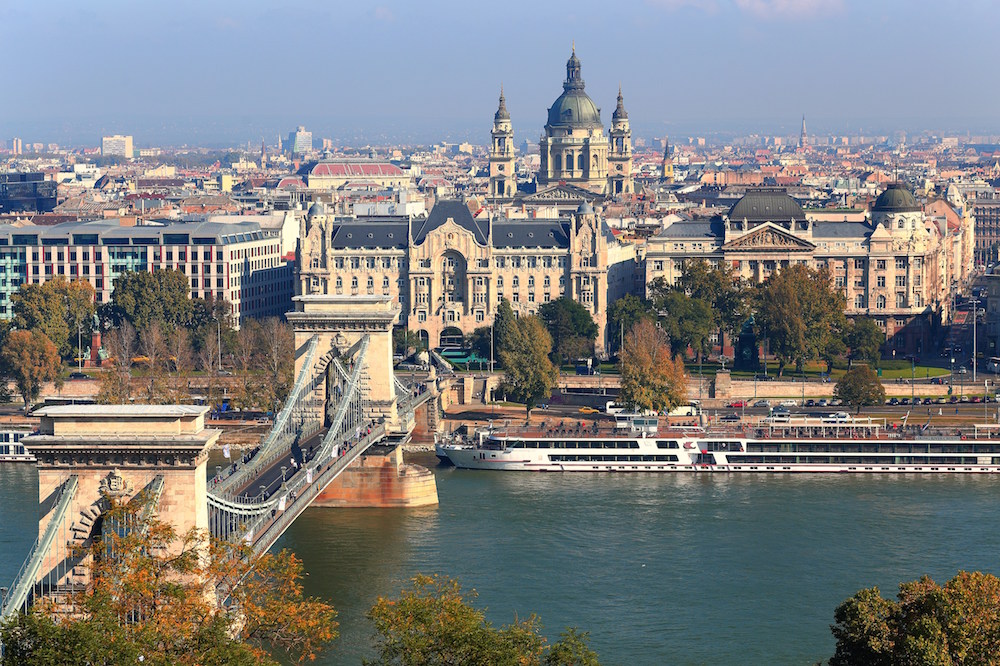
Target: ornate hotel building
<point>449,270</point>
<point>895,265</point>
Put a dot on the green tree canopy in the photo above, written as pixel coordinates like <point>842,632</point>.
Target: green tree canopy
<point>865,340</point>
<point>651,377</point>
<point>57,308</point>
<point>433,623</point>
<point>926,624</point>
<point>860,387</point>
<point>31,359</point>
<point>506,333</point>
<point>142,297</point>
<point>623,314</point>
<point>528,373</point>
<point>688,322</point>
<point>571,326</point>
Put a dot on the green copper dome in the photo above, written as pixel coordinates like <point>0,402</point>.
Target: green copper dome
<point>574,108</point>
<point>895,199</point>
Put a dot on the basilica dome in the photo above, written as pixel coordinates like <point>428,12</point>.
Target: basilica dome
<point>895,199</point>
<point>574,108</point>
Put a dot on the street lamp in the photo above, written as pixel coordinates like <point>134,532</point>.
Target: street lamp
<point>952,380</point>
<point>913,378</point>
<point>975,318</point>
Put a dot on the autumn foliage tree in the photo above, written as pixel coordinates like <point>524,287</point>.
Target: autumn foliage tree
<point>433,623</point>
<point>31,359</point>
<point>860,387</point>
<point>528,373</point>
<point>153,598</point>
<point>57,308</point>
<point>650,377</point>
<point>958,623</point>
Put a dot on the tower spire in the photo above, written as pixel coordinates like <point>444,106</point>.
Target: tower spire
<point>802,134</point>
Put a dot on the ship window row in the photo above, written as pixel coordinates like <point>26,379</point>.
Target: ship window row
<point>597,457</point>
<point>857,460</point>
<point>566,444</point>
<point>870,447</point>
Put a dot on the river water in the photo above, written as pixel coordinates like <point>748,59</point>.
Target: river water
<point>679,569</point>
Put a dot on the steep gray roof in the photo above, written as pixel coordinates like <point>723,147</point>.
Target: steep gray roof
<point>841,230</point>
<point>766,205</point>
<point>694,229</point>
<point>457,211</point>
<point>524,233</point>
<point>369,234</point>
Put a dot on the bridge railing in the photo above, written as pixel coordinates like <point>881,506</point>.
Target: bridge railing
<point>234,518</point>
<point>284,431</point>
<point>19,597</point>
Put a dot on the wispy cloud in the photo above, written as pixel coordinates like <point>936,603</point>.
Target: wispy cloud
<point>384,14</point>
<point>790,9</point>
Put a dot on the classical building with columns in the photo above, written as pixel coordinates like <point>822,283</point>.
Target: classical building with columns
<point>449,270</point>
<point>893,263</point>
<point>574,148</point>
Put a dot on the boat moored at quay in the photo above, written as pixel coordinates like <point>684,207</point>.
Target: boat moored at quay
<point>642,444</point>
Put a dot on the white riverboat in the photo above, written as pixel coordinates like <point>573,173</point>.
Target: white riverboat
<point>830,444</point>
<point>11,449</point>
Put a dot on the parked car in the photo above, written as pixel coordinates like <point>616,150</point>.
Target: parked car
<point>788,403</point>
<point>737,404</point>
<point>823,402</point>
<point>977,399</point>
<point>836,402</point>
<point>904,401</point>
<point>928,401</point>
<point>953,399</point>
<point>810,403</point>
<point>762,403</point>
<point>941,401</point>
<point>893,401</point>
<point>963,398</point>
<point>79,375</point>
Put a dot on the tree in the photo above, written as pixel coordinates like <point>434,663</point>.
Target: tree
<point>528,373</point>
<point>506,333</point>
<point>142,297</point>
<point>687,322</point>
<point>865,340</point>
<point>246,357</point>
<point>623,314</point>
<point>57,308</point>
<point>926,624</point>
<point>277,351</point>
<point>801,316</point>
<point>651,379</point>
<point>153,348</point>
<point>209,360</point>
<point>480,342</point>
<point>31,359</point>
<point>181,361</point>
<point>720,287</point>
<point>403,340</point>
<point>571,326</point>
<point>151,599</point>
<point>116,383</point>
<point>860,387</point>
<point>434,624</point>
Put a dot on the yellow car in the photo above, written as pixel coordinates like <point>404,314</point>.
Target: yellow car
<point>588,410</point>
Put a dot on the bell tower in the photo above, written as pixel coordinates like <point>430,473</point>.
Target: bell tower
<point>503,183</point>
<point>668,162</point>
<point>620,179</point>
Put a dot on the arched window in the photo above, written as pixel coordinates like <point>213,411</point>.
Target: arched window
<point>354,282</point>
<point>340,283</point>
<point>880,303</point>
<point>516,282</point>
<point>579,162</point>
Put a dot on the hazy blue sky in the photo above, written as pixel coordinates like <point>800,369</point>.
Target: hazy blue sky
<point>229,71</point>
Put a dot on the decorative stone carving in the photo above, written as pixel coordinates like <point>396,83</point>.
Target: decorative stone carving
<point>766,239</point>
<point>115,485</point>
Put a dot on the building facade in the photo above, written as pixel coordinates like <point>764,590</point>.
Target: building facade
<point>117,145</point>
<point>449,270</point>
<point>237,262</point>
<point>893,265</point>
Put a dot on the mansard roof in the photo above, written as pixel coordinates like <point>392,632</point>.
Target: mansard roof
<point>458,212</point>
<point>524,233</point>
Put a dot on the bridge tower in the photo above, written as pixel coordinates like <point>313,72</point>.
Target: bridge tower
<point>340,322</point>
<point>87,453</point>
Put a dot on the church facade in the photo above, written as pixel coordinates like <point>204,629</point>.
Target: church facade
<point>574,148</point>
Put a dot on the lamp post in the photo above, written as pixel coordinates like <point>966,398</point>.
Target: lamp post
<point>913,372</point>
<point>975,318</point>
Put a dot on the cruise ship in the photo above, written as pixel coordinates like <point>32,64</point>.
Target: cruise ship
<point>640,444</point>
<point>11,449</point>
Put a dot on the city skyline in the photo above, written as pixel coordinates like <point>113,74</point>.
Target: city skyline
<point>227,73</point>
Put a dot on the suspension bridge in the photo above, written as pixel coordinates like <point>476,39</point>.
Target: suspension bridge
<point>345,399</point>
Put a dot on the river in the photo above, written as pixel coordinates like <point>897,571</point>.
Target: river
<point>680,569</point>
